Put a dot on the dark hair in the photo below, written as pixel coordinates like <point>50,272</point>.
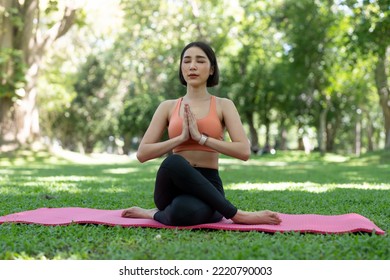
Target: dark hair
<point>214,78</point>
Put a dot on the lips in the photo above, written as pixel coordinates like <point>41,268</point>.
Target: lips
<point>193,75</point>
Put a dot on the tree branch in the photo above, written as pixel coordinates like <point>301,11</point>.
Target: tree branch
<point>24,38</point>
<point>59,29</point>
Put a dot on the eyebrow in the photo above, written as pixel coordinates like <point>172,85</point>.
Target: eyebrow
<point>198,56</point>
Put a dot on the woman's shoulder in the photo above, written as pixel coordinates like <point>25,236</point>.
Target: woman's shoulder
<point>169,103</point>
<point>224,106</point>
<point>224,102</point>
<point>167,106</point>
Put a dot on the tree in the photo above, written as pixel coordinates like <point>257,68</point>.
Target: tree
<point>26,34</point>
<point>252,57</point>
<point>370,36</point>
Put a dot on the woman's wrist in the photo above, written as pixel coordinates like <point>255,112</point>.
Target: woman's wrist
<point>203,139</point>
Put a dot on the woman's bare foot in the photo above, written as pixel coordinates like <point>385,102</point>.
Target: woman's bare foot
<point>255,218</point>
<point>138,212</point>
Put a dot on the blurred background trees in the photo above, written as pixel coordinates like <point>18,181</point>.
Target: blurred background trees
<point>88,75</point>
<point>27,31</point>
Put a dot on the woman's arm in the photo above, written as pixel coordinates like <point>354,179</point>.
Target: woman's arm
<point>150,146</point>
<point>239,147</point>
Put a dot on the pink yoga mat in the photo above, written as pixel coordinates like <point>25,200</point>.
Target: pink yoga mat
<point>305,223</point>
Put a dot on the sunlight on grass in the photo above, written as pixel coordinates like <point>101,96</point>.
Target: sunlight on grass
<point>283,159</point>
<point>41,256</point>
<point>16,172</point>
<point>228,161</point>
<point>335,158</point>
<point>57,179</point>
<point>92,158</point>
<point>58,187</point>
<point>121,170</point>
<point>306,186</point>
<point>37,181</point>
<point>26,157</point>
<point>68,187</point>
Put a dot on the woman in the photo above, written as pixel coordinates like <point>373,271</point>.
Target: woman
<point>188,188</point>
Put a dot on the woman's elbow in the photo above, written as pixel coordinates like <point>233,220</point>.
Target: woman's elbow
<point>141,157</point>
<point>246,155</point>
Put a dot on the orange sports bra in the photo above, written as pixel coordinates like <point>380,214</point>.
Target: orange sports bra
<point>209,125</point>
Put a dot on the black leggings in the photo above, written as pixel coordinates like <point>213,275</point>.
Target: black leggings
<point>186,195</point>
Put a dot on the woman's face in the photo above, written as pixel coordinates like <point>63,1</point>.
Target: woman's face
<point>196,67</point>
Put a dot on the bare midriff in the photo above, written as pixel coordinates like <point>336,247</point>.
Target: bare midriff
<point>201,158</point>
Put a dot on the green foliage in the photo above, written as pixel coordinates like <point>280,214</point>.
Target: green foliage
<point>371,23</point>
<point>86,114</point>
<point>81,17</point>
<point>282,62</point>
<point>137,112</point>
<point>52,6</point>
<point>89,114</point>
<point>13,14</point>
<point>323,74</point>
<point>290,182</point>
<point>310,56</point>
<point>57,92</point>
<point>12,72</point>
<point>89,80</point>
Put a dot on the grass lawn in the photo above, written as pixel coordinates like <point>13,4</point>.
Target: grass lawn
<point>289,182</point>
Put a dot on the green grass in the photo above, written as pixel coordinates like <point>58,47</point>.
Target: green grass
<point>290,182</point>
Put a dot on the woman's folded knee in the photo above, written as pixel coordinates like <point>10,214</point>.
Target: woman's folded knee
<point>188,210</point>
<point>174,161</point>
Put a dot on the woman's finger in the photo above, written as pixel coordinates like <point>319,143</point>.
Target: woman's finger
<point>192,124</point>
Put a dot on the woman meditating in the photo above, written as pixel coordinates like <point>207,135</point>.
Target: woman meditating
<point>188,189</point>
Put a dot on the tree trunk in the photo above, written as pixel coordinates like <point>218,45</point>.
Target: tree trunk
<point>26,111</point>
<point>330,135</point>
<point>282,141</point>
<point>7,116</point>
<point>267,132</point>
<point>358,136</point>
<point>384,94</point>
<point>370,132</point>
<point>331,132</point>
<point>19,121</point>
<point>322,132</point>
<point>300,134</point>
<point>254,138</point>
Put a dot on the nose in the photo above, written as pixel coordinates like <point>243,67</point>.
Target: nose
<point>193,65</point>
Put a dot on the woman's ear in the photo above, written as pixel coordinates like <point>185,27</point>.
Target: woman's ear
<point>211,70</point>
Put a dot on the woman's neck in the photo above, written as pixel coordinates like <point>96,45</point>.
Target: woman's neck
<point>197,93</point>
